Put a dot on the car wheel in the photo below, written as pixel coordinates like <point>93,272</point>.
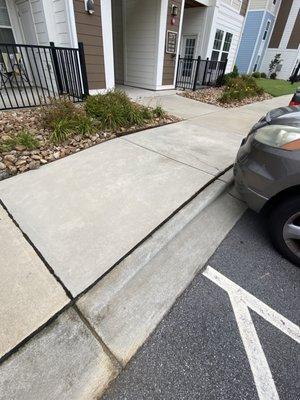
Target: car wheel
<point>284,224</point>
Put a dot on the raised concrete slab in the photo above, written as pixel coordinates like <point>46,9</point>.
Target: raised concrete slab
<point>29,294</point>
<point>63,362</point>
<point>230,120</point>
<point>263,107</point>
<point>88,210</point>
<point>125,307</point>
<point>179,106</point>
<point>190,142</point>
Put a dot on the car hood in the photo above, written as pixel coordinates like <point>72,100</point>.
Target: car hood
<point>284,116</point>
<point>289,115</point>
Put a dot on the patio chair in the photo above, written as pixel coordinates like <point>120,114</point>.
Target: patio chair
<point>12,68</point>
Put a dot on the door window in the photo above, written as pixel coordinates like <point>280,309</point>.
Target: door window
<point>189,50</point>
<point>189,47</point>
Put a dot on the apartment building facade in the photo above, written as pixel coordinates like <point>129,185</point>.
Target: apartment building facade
<point>259,22</point>
<point>129,42</point>
<point>284,40</point>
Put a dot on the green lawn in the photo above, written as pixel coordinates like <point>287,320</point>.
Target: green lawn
<point>277,87</point>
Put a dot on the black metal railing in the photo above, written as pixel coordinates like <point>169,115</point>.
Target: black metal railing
<point>31,75</point>
<point>296,74</point>
<point>194,73</point>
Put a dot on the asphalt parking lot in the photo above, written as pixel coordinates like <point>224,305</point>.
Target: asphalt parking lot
<point>233,334</point>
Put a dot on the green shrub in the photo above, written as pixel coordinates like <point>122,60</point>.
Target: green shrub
<point>159,112</point>
<point>273,75</point>
<point>57,110</point>
<point>256,75</point>
<point>115,110</point>
<point>64,120</point>
<point>23,138</point>
<point>263,75</point>
<point>240,88</point>
<point>61,130</point>
<point>84,125</point>
<point>223,79</point>
<point>234,73</point>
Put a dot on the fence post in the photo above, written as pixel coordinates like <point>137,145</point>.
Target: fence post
<point>294,76</point>
<point>177,73</point>
<point>56,68</point>
<point>205,70</point>
<point>196,73</point>
<point>83,69</point>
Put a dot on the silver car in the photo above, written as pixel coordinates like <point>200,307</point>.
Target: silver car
<point>267,175</point>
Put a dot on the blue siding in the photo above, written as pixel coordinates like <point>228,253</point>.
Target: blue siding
<point>267,17</point>
<point>252,26</point>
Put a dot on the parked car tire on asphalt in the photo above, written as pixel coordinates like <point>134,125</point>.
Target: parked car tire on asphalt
<point>282,216</point>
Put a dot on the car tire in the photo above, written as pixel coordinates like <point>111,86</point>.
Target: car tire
<point>284,213</point>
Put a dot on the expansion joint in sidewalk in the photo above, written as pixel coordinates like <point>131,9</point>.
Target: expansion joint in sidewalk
<point>117,363</point>
<point>39,254</point>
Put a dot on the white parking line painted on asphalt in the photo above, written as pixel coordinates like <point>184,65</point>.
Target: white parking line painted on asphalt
<point>264,382</point>
<point>241,301</point>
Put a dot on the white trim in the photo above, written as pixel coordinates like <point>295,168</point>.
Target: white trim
<point>14,22</point>
<point>212,32</point>
<point>179,40</point>
<point>49,19</point>
<point>161,41</point>
<point>93,92</point>
<point>108,47</point>
<point>165,87</point>
<point>72,23</point>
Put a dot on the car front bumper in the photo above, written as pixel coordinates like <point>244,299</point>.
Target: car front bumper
<point>254,200</point>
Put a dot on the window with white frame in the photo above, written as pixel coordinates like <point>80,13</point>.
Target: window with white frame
<point>6,32</point>
<point>222,44</point>
<point>266,30</point>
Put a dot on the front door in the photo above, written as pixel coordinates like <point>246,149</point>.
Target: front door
<point>26,20</point>
<point>188,51</point>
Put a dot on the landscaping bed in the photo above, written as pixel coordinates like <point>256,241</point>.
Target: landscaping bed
<point>30,138</point>
<point>212,96</point>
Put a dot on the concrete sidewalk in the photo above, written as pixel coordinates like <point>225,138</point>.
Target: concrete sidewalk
<point>83,215</point>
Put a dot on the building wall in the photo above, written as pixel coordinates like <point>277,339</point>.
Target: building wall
<point>141,29</point>
<point>252,43</point>
<point>244,7</point>
<point>288,55</point>
<point>89,31</point>
<point>258,4</point>
<point>194,25</point>
<point>230,20</point>
<point>248,42</point>
<point>169,59</point>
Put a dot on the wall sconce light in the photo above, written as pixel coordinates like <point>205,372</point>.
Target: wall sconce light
<point>89,6</point>
<point>174,10</point>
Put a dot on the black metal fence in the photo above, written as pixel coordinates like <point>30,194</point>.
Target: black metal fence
<point>31,75</point>
<point>194,73</point>
<point>296,74</point>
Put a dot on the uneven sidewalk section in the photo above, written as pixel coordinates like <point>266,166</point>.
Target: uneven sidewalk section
<point>29,294</point>
<point>81,351</point>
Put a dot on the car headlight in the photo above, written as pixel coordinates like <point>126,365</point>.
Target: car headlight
<point>280,136</point>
